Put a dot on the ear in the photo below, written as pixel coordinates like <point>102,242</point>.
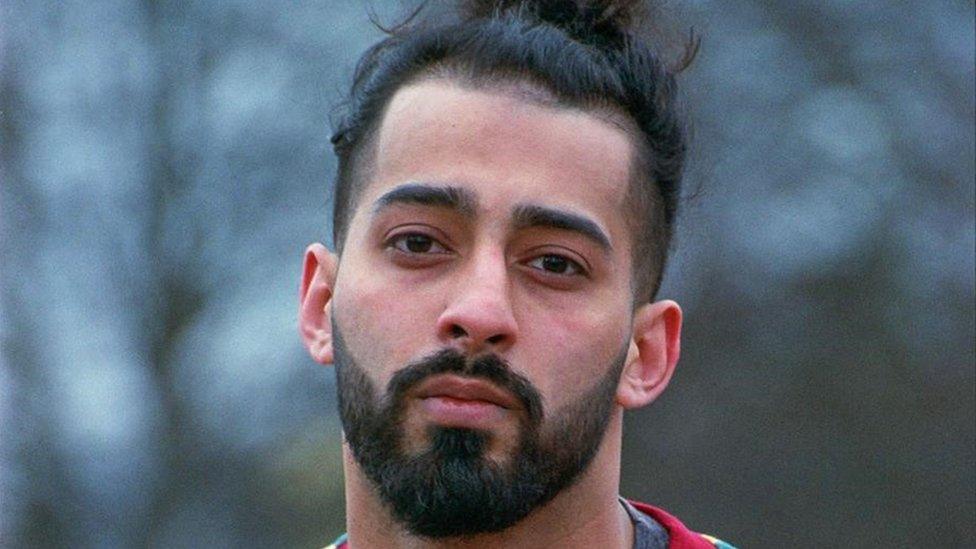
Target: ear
<point>315,302</point>
<point>653,354</point>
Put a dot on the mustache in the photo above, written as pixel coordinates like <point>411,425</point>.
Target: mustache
<point>489,367</point>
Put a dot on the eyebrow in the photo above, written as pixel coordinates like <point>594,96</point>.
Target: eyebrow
<point>465,202</point>
<point>531,215</point>
<point>453,198</point>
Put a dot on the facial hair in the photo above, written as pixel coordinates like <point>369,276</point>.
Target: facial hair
<point>451,488</point>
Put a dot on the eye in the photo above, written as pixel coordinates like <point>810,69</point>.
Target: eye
<point>416,243</point>
<point>556,264</point>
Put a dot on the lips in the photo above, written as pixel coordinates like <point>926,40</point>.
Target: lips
<point>466,390</point>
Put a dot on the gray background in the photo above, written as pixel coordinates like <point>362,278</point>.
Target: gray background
<point>165,163</point>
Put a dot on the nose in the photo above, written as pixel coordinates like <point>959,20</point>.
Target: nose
<point>478,316</point>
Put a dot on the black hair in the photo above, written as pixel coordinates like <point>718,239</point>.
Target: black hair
<point>590,55</point>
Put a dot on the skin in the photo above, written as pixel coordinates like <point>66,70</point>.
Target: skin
<point>553,302</point>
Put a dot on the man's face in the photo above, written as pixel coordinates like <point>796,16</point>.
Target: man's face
<point>482,305</point>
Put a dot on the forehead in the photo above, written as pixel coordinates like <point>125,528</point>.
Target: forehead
<point>505,148</point>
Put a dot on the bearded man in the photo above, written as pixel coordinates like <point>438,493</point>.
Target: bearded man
<point>507,185</point>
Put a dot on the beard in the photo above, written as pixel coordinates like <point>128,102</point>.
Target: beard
<point>451,488</point>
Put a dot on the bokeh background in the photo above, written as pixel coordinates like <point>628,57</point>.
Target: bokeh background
<point>164,163</point>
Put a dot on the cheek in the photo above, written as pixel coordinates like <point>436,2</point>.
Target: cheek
<point>385,326</point>
<point>574,350</point>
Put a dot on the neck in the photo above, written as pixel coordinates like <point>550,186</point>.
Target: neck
<point>586,514</point>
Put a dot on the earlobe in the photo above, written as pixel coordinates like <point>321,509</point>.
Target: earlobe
<point>315,302</point>
<point>653,355</point>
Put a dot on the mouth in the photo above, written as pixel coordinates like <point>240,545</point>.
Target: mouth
<point>464,389</point>
<point>456,401</point>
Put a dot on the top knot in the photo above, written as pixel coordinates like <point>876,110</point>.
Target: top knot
<point>603,23</point>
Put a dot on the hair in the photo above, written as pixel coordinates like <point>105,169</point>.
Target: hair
<point>592,55</point>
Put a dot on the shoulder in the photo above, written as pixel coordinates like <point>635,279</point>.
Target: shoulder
<point>680,536</point>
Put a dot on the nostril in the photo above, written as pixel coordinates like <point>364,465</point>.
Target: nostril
<point>457,331</point>
<point>496,339</point>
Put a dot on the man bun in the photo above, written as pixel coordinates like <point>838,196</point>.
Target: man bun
<point>601,23</point>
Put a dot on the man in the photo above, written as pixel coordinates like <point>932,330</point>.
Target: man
<point>507,183</point>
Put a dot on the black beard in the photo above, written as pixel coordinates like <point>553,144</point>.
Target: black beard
<point>451,489</point>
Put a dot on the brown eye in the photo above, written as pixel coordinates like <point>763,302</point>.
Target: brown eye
<point>417,243</point>
<point>556,264</point>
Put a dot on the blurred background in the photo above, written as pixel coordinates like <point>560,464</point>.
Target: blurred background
<point>164,163</point>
